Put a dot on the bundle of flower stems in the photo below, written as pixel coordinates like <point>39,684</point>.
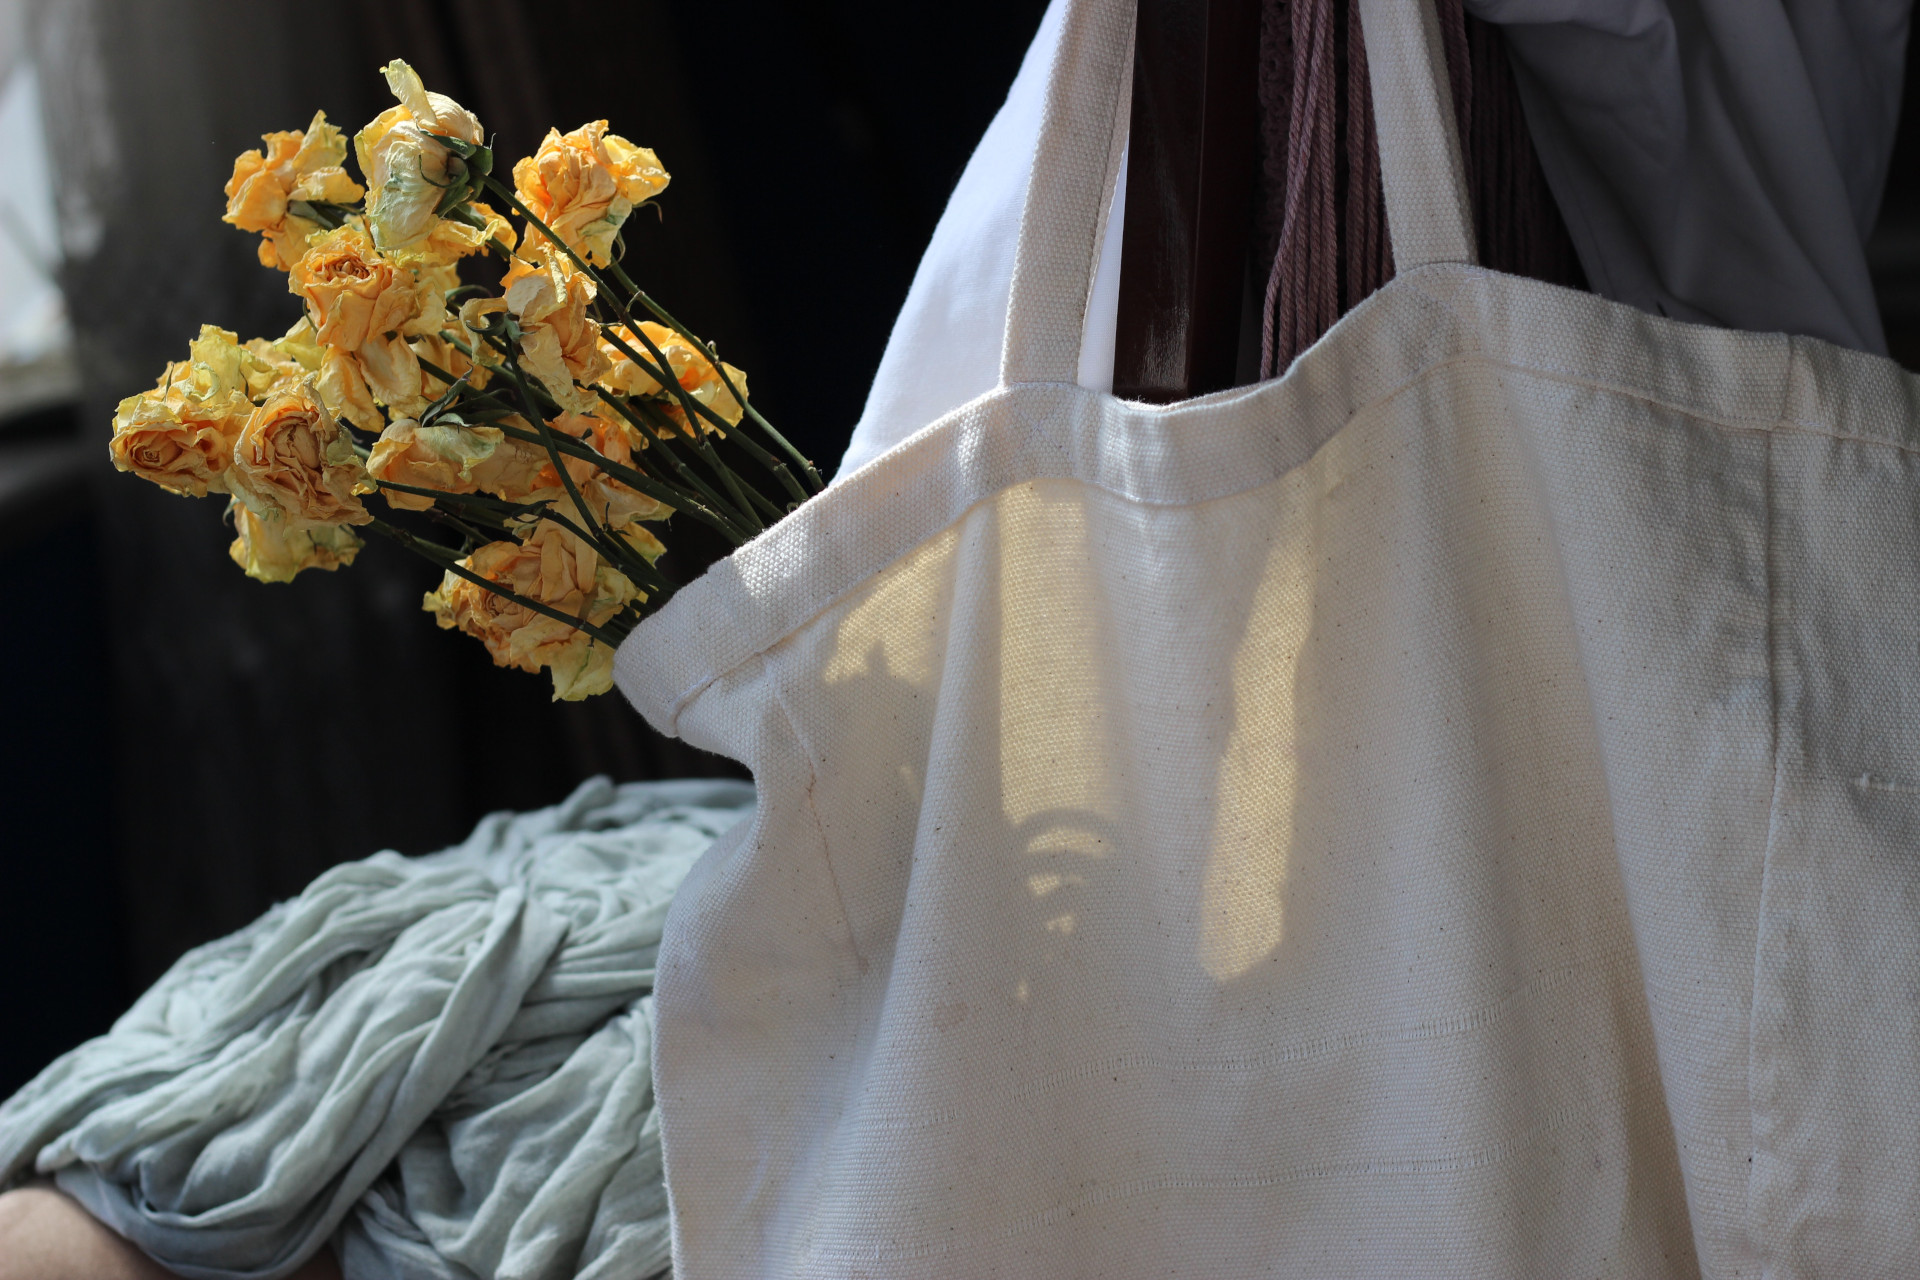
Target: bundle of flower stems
<point>537,431</point>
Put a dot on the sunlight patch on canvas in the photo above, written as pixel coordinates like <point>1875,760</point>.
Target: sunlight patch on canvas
<point>1242,906</point>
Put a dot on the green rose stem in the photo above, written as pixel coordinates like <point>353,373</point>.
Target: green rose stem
<point>661,373</point>
<point>660,369</point>
<point>742,507</point>
<point>496,510</point>
<point>664,431</point>
<point>679,499</point>
<point>446,559</point>
<point>679,465</point>
<point>725,428</point>
<point>474,538</point>
<point>616,553</point>
<point>636,567</point>
<point>718,505</point>
<point>620,554</point>
<point>728,478</point>
<point>328,216</point>
<point>469,400</point>
<point>659,587</point>
<point>658,423</point>
<point>660,314</point>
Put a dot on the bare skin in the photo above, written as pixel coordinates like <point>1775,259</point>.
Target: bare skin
<point>46,1235</point>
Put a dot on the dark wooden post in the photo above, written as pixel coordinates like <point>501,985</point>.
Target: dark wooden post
<point>1190,161</point>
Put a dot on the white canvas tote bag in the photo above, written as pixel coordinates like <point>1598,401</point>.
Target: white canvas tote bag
<point>1453,810</point>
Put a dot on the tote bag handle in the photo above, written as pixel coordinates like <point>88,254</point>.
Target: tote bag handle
<point>1429,211</point>
<point>1083,133</point>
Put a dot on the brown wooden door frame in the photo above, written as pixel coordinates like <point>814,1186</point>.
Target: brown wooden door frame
<point>1192,148</point>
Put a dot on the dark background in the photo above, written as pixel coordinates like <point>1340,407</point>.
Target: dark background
<point>185,747</point>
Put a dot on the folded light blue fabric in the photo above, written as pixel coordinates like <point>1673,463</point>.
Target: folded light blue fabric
<point>442,1063</point>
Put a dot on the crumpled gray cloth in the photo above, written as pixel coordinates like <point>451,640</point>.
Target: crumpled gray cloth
<point>442,1063</point>
<point>1719,161</point>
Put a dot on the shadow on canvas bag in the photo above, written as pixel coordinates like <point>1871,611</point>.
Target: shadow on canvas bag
<point>1453,809</point>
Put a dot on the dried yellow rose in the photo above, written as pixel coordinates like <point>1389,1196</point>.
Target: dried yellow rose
<point>334,373</point>
<point>296,166</point>
<point>449,241</point>
<point>515,471</point>
<point>293,463</point>
<point>406,164</point>
<point>580,671</point>
<point>614,505</point>
<point>217,364</point>
<point>559,344</point>
<point>275,550</point>
<point>557,569</point>
<point>181,434</point>
<point>271,367</point>
<point>443,456</point>
<point>181,441</point>
<point>366,305</point>
<point>442,354</point>
<point>688,364</point>
<point>584,184</point>
<point>343,388</point>
<point>354,294</point>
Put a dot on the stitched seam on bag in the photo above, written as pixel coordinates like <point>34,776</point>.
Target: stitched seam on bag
<point>856,1009</point>
<point>1872,782</point>
<point>701,685</point>
<point>1758,422</point>
<point>1754,1220</point>
<point>1407,1166</point>
<point>1040,427</point>
<point>836,598</point>
<point>1764,424</point>
<point>1014,392</point>
<point>1692,413</point>
<point>1019,411</point>
<point>813,811</point>
<point>1473,1019</point>
<point>1808,429</point>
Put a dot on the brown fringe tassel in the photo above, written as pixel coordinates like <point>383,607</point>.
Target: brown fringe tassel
<point>1321,227</point>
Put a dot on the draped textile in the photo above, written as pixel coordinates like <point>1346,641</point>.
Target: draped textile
<point>443,1063</point>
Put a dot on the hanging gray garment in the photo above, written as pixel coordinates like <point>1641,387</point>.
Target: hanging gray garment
<point>1719,161</point>
<point>446,1060</point>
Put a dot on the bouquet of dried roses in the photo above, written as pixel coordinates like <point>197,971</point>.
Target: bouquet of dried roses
<point>541,426</point>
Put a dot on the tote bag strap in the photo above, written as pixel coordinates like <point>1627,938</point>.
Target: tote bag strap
<point>1083,133</point>
<point>1429,212</point>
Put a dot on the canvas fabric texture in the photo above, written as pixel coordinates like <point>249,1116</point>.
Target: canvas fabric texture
<point>1450,810</point>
